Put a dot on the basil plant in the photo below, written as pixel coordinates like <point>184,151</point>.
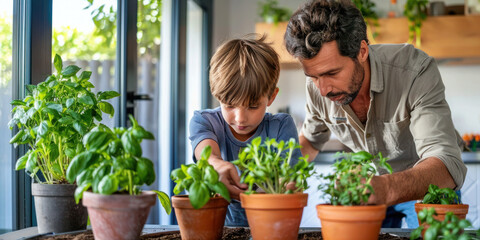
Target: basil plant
<point>436,195</point>
<point>268,166</point>
<point>52,120</point>
<point>112,163</point>
<point>200,180</point>
<point>349,184</point>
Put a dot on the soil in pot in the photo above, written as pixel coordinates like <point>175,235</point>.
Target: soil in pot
<point>228,234</point>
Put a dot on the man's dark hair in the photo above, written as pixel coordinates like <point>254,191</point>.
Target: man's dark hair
<point>322,21</point>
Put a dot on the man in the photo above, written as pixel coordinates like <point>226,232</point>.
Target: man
<point>381,98</point>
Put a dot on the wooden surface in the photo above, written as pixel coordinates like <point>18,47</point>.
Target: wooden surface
<point>443,37</point>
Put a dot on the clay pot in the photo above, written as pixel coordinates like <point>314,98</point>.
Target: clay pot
<point>204,223</point>
<point>274,216</point>
<point>459,210</point>
<point>118,216</point>
<point>56,209</point>
<point>351,222</point>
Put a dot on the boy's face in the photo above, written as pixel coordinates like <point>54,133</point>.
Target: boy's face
<point>244,120</point>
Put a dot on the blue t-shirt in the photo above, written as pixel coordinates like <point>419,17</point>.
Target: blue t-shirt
<point>210,124</point>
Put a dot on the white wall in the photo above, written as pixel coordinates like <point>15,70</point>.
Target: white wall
<point>235,18</point>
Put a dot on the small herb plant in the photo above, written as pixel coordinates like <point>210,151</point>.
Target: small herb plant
<point>200,180</point>
<point>416,13</point>
<point>436,195</point>
<point>272,13</point>
<point>112,163</point>
<point>449,229</point>
<point>349,184</point>
<point>53,118</point>
<point>268,166</point>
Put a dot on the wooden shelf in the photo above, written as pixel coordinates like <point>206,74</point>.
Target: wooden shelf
<point>443,37</point>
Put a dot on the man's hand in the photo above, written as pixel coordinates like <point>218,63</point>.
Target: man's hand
<point>228,175</point>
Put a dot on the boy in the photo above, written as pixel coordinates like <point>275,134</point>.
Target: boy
<point>243,78</point>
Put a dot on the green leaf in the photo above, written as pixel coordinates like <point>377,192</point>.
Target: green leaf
<point>58,63</point>
<point>85,176</point>
<point>79,128</point>
<point>86,99</point>
<point>79,163</point>
<point>55,106</point>
<point>22,161</point>
<point>131,145</point>
<point>140,133</point>
<point>31,162</point>
<point>198,194</point>
<point>145,171</point>
<point>85,75</point>
<point>106,108</point>
<point>70,71</point>
<point>194,172</point>
<point>43,128</point>
<point>108,185</point>
<point>107,95</point>
<point>221,189</point>
<point>177,174</point>
<point>206,152</point>
<point>211,175</point>
<point>18,103</point>
<point>79,191</point>
<point>70,102</point>
<point>67,120</point>
<point>96,140</point>
<point>18,137</point>
<point>164,200</point>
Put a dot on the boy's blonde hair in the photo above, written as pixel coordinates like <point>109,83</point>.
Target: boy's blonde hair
<point>244,70</point>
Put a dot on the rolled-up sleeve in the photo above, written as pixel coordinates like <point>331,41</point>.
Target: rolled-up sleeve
<point>314,128</point>
<point>200,129</point>
<point>431,122</point>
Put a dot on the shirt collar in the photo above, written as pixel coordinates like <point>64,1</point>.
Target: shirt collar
<point>376,79</point>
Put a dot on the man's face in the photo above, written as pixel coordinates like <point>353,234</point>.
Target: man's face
<point>338,78</point>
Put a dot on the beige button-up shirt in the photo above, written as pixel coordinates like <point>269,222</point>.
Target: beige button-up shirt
<point>408,119</point>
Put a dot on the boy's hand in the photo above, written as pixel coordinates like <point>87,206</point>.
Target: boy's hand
<point>228,175</point>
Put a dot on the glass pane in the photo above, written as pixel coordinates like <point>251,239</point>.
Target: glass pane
<point>194,66</point>
<point>149,21</point>
<point>84,34</point>
<point>6,171</point>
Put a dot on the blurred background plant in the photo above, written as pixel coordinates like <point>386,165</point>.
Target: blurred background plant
<point>370,16</point>
<point>272,13</point>
<point>416,13</point>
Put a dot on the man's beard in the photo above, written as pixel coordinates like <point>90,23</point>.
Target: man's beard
<point>354,88</point>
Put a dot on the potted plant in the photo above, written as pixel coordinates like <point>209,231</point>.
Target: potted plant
<point>109,174</point>
<point>443,200</point>
<point>201,213</point>
<point>348,216</point>
<point>276,213</point>
<point>51,120</point>
<point>272,13</point>
<point>416,13</point>
<point>450,227</point>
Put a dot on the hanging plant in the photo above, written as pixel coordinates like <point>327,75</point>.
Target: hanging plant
<point>415,11</point>
<point>272,13</point>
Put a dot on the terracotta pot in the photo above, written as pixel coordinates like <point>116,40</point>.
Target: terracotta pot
<point>56,209</point>
<point>204,223</point>
<point>351,222</point>
<point>459,210</point>
<point>274,216</point>
<point>118,216</point>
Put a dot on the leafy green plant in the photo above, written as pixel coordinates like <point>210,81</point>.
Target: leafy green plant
<point>112,163</point>
<point>53,118</point>
<point>436,195</point>
<point>200,180</point>
<point>415,11</point>
<point>349,184</point>
<point>268,166</point>
<point>451,228</point>
<point>367,8</point>
<point>272,13</point>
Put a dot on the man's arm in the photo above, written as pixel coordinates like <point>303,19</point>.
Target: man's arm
<point>307,148</point>
<point>227,172</point>
<point>410,184</point>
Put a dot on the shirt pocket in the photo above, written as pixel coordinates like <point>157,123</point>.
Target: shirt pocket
<point>396,135</point>
<point>344,133</point>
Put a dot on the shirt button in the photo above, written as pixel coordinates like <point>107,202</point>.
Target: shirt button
<point>368,135</point>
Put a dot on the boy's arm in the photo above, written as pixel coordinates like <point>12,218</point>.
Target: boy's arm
<point>227,172</point>
<point>307,148</point>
